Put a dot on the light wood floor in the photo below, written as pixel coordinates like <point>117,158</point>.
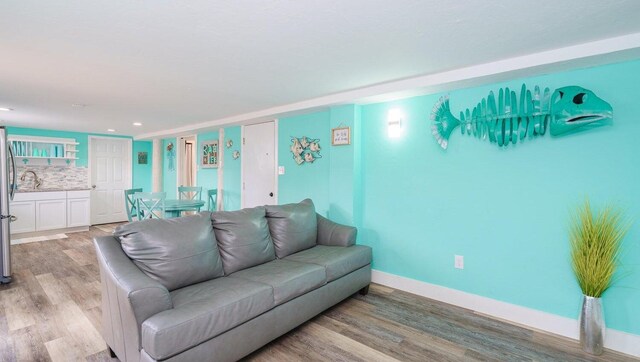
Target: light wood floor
<point>51,311</point>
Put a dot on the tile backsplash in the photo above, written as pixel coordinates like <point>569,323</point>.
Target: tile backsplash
<point>64,177</point>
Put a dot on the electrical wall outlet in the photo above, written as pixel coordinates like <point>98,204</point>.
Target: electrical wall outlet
<point>280,170</point>
<point>458,261</point>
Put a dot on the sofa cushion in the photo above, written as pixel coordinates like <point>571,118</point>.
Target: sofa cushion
<point>203,311</point>
<point>175,252</point>
<point>289,279</point>
<point>337,260</point>
<point>243,238</point>
<point>293,227</point>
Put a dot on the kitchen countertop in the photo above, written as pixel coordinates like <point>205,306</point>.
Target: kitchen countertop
<point>54,189</point>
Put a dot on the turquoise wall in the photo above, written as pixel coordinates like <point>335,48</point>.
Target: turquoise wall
<point>142,175</point>
<point>505,210</point>
<point>207,178</point>
<point>169,176</point>
<point>345,182</point>
<point>308,180</point>
<point>232,181</point>
<point>334,181</point>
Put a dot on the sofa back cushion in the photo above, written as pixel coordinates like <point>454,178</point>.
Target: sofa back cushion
<point>175,252</point>
<point>293,227</point>
<point>243,238</point>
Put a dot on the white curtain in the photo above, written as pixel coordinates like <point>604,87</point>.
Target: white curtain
<point>188,164</point>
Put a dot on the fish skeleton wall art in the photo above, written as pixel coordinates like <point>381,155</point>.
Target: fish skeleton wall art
<point>509,119</point>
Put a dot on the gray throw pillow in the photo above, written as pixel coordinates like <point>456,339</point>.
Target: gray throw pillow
<point>293,227</point>
<point>243,238</point>
<point>175,252</point>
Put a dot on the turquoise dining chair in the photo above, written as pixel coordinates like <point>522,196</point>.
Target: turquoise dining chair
<point>130,203</point>
<point>150,204</point>
<point>190,193</point>
<point>213,199</point>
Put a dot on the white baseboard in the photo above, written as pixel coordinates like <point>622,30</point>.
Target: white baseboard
<point>615,340</point>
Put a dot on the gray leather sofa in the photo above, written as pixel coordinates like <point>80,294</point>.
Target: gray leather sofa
<point>217,286</point>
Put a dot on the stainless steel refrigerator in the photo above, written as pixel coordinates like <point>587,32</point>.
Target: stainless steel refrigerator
<point>7,189</point>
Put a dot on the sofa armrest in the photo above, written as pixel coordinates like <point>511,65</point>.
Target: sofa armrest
<point>129,297</point>
<point>333,234</point>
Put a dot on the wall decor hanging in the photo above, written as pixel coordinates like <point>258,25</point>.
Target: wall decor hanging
<point>229,143</point>
<point>340,136</point>
<point>305,149</point>
<point>209,155</point>
<point>568,110</point>
<point>170,156</point>
<point>142,158</point>
<point>235,154</point>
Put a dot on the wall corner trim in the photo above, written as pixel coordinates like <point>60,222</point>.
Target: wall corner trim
<point>615,340</point>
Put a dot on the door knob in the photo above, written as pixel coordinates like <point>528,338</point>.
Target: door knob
<point>271,194</point>
<point>93,187</point>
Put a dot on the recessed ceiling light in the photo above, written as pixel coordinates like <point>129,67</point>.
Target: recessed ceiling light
<point>111,130</point>
<point>137,124</point>
<point>6,109</point>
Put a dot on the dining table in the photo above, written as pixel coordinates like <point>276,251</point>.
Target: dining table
<point>174,207</point>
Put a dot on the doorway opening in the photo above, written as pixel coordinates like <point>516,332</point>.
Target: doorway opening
<point>187,161</point>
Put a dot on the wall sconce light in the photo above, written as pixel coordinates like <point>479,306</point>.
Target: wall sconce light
<point>394,123</point>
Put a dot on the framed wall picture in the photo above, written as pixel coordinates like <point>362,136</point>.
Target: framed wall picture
<point>142,158</point>
<point>209,154</point>
<point>341,136</point>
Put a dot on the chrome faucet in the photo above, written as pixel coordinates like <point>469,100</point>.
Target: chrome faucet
<point>36,180</point>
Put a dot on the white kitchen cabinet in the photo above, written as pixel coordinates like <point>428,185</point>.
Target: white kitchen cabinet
<point>25,213</point>
<point>78,212</point>
<point>51,214</point>
<point>49,211</point>
<point>78,208</point>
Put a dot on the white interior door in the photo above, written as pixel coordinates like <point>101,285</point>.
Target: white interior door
<point>110,163</point>
<point>259,165</point>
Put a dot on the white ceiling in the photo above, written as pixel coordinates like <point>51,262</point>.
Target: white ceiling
<point>171,64</point>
